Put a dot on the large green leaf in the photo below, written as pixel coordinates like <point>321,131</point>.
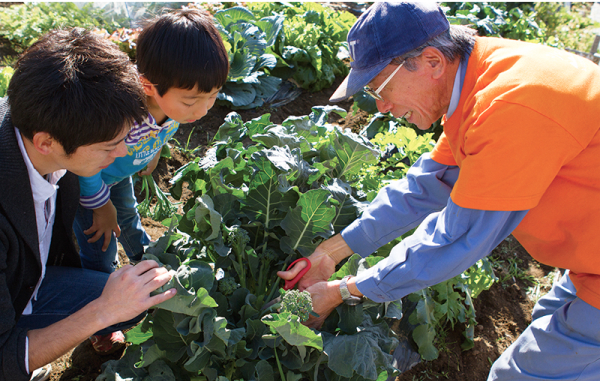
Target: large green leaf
<point>232,129</point>
<point>366,353</point>
<point>169,343</point>
<point>348,208</point>
<point>208,220</point>
<point>233,15</point>
<point>259,124</point>
<point>188,301</point>
<point>139,334</point>
<point>320,114</point>
<point>237,94</point>
<point>279,136</point>
<point>267,86</point>
<point>267,202</point>
<point>223,174</point>
<point>354,152</point>
<point>309,220</point>
<point>189,173</point>
<point>424,336</point>
<point>272,26</point>
<point>293,331</point>
<point>124,368</point>
<point>241,65</point>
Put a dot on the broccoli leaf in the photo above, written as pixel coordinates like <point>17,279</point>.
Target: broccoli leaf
<point>266,202</point>
<point>292,330</point>
<point>366,353</point>
<point>307,221</point>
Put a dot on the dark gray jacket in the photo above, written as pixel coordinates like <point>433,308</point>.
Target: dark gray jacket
<point>20,267</point>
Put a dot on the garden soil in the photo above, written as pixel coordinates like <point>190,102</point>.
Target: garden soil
<point>503,312</point>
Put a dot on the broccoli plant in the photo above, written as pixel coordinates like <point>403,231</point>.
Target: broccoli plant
<point>264,195</point>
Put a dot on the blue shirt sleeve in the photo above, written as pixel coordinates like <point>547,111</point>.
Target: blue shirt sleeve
<point>93,191</point>
<point>444,245</point>
<point>402,205</point>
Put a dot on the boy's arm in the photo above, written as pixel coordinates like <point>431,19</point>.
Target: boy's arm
<point>125,296</point>
<point>93,191</point>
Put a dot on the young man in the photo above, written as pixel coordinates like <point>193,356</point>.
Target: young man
<point>183,64</point>
<point>71,102</point>
<point>520,154</point>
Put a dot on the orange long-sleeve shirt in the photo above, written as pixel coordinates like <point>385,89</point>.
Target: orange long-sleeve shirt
<point>526,136</point>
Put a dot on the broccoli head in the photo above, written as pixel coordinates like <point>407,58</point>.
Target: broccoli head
<point>228,285</point>
<point>270,255</point>
<point>298,303</point>
<point>237,238</point>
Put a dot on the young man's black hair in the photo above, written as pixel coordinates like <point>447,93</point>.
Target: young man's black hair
<point>96,95</point>
<point>177,49</point>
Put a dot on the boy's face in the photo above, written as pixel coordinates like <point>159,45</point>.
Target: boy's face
<point>181,105</point>
<point>89,160</point>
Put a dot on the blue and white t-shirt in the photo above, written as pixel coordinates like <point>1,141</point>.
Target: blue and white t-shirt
<point>144,141</point>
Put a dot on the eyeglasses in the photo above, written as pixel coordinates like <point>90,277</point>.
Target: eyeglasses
<point>375,93</point>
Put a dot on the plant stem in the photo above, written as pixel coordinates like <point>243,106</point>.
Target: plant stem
<point>275,285</point>
<point>279,365</point>
<point>188,139</point>
<point>242,272</point>
<point>321,357</point>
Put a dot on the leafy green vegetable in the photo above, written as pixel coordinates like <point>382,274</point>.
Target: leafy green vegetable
<point>313,44</point>
<point>247,40</point>
<point>163,208</point>
<point>501,19</point>
<point>23,24</point>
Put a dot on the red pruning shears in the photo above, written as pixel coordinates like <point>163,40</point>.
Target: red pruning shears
<point>289,284</point>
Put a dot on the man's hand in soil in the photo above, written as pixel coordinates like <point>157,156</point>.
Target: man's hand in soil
<point>323,261</point>
<point>105,223</point>
<point>127,292</point>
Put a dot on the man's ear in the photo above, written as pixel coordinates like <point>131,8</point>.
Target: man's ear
<point>44,143</point>
<point>435,61</point>
<point>149,88</point>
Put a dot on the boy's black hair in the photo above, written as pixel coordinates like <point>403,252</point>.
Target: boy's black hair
<point>182,49</point>
<point>76,86</point>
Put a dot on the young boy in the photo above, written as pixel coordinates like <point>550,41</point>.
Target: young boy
<point>182,64</point>
<point>71,102</point>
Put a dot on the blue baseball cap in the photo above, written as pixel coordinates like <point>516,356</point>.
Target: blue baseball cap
<point>386,31</point>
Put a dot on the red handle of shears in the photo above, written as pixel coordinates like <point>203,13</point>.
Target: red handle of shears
<point>289,284</point>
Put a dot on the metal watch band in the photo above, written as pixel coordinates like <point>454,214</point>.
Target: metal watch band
<point>344,288</point>
<point>347,297</point>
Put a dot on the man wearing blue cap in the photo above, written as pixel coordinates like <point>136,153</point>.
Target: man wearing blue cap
<point>520,154</point>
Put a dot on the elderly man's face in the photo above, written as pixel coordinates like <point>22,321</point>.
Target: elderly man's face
<point>420,96</point>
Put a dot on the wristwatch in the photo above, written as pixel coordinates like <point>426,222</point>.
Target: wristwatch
<point>347,297</point>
